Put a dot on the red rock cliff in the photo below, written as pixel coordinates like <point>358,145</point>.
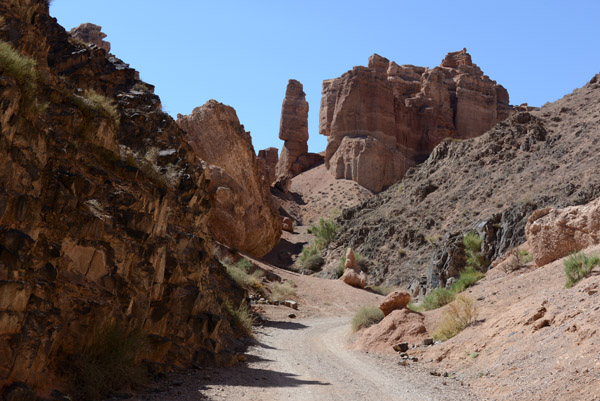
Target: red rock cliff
<point>382,119</point>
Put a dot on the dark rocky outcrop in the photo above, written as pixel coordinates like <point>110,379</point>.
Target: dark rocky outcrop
<point>383,119</point>
<point>243,215</point>
<point>103,214</point>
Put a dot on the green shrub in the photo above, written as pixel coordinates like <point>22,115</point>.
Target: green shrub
<point>324,233</point>
<point>313,262</point>
<point>365,317</point>
<point>472,243</point>
<point>460,314</point>
<point>242,317</point>
<point>517,259</point>
<point>103,105</point>
<point>578,266</point>
<point>307,252</point>
<point>110,363</point>
<point>467,278</point>
<point>23,70</point>
<point>283,291</point>
<point>437,298</point>
<point>240,273</point>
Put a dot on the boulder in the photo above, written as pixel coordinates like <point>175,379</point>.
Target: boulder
<point>243,215</point>
<point>401,326</point>
<point>382,119</point>
<point>554,233</point>
<point>91,33</point>
<point>395,300</point>
<point>293,130</point>
<point>287,224</point>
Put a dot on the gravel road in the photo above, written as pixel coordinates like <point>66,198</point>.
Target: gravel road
<point>309,360</point>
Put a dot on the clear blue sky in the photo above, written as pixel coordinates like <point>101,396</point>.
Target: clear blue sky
<point>242,53</point>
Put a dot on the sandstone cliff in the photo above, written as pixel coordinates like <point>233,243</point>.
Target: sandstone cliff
<point>103,211</point>
<point>293,130</point>
<point>382,119</point>
<point>244,216</point>
<point>491,184</point>
<point>268,158</point>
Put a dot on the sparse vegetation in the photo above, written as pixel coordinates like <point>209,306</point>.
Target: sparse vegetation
<point>23,70</point>
<point>579,266</point>
<point>166,177</point>
<point>110,363</point>
<point>324,233</point>
<point>438,298</point>
<point>283,291</point>
<point>365,317</point>
<point>382,290</point>
<point>472,243</point>
<point>102,104</point>
<point>460,314</point>
<point>242,316</point>
<point>240,273</point>
<point>313,262</point>
<point>467,278</point>
<point>517,259</point>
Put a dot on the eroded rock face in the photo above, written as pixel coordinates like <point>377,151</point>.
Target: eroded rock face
<point>353,275</point>
<point>387,117</point>
<point>91,33</point>
<point>293,130</point>
<point>243,215</point>
<point>555,233</point>
<point>102,216</point>
<point>269,158</point>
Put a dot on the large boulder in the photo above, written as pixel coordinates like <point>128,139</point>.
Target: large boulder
<point>395,300</point>
<point>554,233</point>
<point>293,130</point>
<point>382,119</point>
<point>244,216</point>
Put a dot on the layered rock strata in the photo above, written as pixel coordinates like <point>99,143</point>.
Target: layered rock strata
<point>103,211</point>
<point>244,216</point>
<point>382,119</point>
<point>293,130</point>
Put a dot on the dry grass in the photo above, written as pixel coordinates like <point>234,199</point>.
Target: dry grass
<point>240,273</point>
<point>242,317</point>
<point>283,291</point>
<point>365,317</point>
<point>20,68</point>
<point>103,105</point>
<point>110,363</point>
<point>460,314</point>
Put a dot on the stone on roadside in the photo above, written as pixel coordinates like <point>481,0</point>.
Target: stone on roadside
<point>395,300</point>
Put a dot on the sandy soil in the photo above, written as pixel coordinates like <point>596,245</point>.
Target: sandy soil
<point>309,358</point>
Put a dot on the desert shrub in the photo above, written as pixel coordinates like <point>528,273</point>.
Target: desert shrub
<point>414,307</point>
<point>382,290</point>
<point>467,278</point>
<point>22,69</point>
<point>242,317</point>
<point>313,262</point>
<point>324,233</point>
<point>283,291</point>
<point>472,243</point>
<point>365,317</point>
<point>578,266</point>
<point>110,363</point>
<point>307,252</point>
<point>460,314</point>
<point>437,298</point>
<point>240,273</point>
<point>517,259</point>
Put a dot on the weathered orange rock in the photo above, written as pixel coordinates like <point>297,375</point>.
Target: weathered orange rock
<point>554,233</point>
<point>269,158</point>
<point>287,224</point>
<point>395,300</point>
<point>293,130</point>
<point>244,216</point>
<point>382,119</point>
<point>91,33</point>
<point>353,275</point>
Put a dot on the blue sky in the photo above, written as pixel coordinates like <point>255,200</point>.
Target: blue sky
<point>242,53</point>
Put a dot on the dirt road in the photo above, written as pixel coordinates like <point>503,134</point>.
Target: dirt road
<point>310,360</point>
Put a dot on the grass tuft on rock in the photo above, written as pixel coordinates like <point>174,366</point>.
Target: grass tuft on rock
<point>242,317</point>
<point>365,317</point>
<point>579,266</point>
<point>240,273</point>
<point>283,291</point>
